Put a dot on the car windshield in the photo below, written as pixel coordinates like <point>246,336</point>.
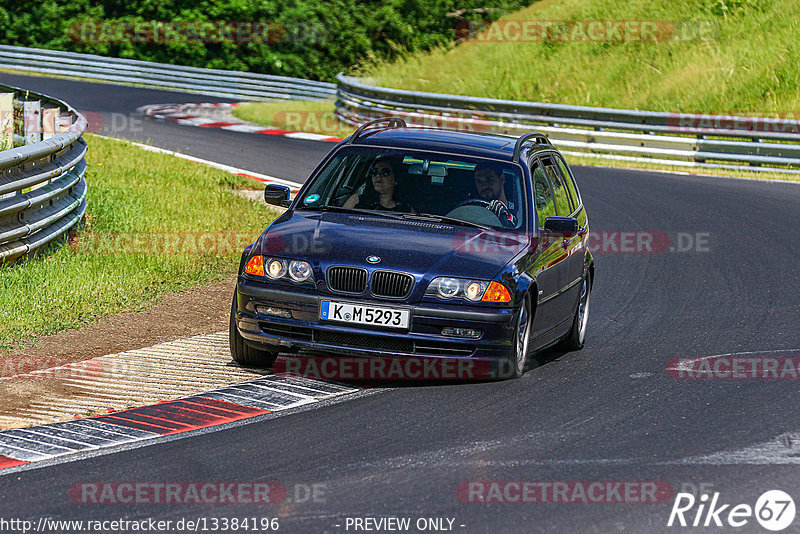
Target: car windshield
<point>456,189</point>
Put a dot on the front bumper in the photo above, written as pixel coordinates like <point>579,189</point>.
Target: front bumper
<point>304,332</point>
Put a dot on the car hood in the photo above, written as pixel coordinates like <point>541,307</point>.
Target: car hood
<point>417,247</point>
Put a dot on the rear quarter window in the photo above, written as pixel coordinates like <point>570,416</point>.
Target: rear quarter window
<point>543,194</point>
<point>560,193</point>
<point>569,180</point>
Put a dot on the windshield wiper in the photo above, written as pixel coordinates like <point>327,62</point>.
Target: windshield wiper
<point>355,211</point>
<point>445,219</point>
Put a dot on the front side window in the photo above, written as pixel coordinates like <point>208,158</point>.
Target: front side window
<point>395,182</point>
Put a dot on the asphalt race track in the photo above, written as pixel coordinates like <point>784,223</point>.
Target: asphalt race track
<point>610,412</point>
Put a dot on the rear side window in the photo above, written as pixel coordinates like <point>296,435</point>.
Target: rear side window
<point>543,194</point>
<point>570,181</point>
<point>560,192</point>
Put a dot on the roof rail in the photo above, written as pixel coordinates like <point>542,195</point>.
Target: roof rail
<point>393,122</point>
<point>540,138</point>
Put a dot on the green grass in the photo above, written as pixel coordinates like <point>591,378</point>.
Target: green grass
<point>750,61</point>
<point>132,193</point>
<point>296,116</point>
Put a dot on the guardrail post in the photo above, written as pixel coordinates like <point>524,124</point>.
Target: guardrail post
<point>32,116</point>
<point>62,123</point>
<point>6,120</point>
<point>49,116</point>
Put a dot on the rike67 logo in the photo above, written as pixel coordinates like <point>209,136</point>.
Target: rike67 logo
<point>774,510</point>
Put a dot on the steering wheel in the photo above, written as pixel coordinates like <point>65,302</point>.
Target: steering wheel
<point>495,206</point>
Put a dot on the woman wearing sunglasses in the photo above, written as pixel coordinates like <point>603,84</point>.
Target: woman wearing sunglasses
<point>379,194</point>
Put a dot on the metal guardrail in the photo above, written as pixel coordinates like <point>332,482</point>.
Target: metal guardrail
<point>42,185</point>
<point>236,85</point>
<point>751,143</point>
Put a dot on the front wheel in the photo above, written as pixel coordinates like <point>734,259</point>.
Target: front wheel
<point>241,352</point>
<point>576,336</point>
<point>522,334</point>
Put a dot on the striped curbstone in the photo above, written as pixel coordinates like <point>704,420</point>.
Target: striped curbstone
<point>149,375</point>
<point>204,410</point>
<point>218,116</point>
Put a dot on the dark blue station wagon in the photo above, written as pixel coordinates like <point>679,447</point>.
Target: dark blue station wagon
<point>410,242</point>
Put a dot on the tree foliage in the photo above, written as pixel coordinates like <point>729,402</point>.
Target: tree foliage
<point>305,38</point>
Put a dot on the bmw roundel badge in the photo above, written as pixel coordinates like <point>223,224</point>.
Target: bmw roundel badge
<point>373,259</point>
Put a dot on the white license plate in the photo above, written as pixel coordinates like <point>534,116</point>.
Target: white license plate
<point>344,312</point>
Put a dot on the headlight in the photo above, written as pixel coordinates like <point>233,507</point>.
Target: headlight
<point>450,288</point>
<point>299,271</point>
<point>295,270</point>
<point>473,291</point>
<point>276,268</point>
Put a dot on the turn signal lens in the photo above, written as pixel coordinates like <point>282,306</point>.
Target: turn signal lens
<point>496,292</point>
<point>255,266</point>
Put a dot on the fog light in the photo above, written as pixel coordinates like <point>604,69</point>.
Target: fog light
<point>274,312</point>
<point>461,332</point>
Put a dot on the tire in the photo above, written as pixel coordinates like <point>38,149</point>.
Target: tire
<point>241,352</point>
<point>577,335</point>
<point>522,335</point>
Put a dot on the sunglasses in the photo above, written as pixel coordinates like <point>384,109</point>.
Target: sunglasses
<point>380,172</point>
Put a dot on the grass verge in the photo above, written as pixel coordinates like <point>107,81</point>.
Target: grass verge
<point>155,224</point>
<point>730,56</point>
<point>295,116</point>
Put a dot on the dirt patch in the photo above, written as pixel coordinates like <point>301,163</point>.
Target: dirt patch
<point>201,310</point>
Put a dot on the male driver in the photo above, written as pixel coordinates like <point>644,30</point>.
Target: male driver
<point>490,185</point>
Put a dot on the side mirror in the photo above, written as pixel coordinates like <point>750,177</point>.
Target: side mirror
<point>277,195</point>
<point>565,226</point>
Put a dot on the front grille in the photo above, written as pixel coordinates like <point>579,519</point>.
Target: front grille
<point>347,279</point>
<point>361,341</point>
<point>391,284</point>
